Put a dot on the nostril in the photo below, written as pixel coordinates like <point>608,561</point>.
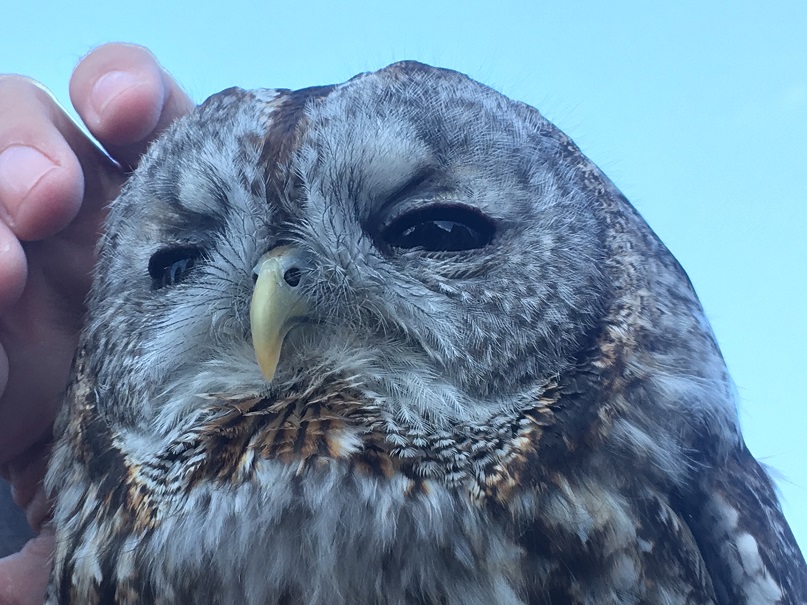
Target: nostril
<point>292,276</point>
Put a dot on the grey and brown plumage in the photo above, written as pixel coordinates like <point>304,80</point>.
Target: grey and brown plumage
<point>399,341</point>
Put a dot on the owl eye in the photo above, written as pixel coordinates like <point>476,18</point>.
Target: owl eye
<point>440,229</point>
<point>170,265</point>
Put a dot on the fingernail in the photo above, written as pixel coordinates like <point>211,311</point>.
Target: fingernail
<point>21,168</point>
<point>110,86</point>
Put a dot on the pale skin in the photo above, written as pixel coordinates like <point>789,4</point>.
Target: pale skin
<point>54,184</point>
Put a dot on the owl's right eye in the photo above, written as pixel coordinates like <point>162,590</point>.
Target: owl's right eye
<point>169,266</point>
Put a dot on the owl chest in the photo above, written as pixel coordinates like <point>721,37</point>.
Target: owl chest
<point>331,535</point>
<point>336,518</point>
<point>267,508</point>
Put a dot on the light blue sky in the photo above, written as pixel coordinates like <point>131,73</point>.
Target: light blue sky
<point>696,110</point>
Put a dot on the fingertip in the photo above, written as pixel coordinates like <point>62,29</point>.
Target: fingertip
<point>118,91</point>
<point>125,106</point>
<point>125,97</point>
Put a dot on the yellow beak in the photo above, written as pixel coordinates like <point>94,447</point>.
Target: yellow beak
<point>276,304</point>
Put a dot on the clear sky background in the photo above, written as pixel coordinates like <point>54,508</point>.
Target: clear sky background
<point>696,110</point>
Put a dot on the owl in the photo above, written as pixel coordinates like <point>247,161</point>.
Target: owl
<point>398,341</point>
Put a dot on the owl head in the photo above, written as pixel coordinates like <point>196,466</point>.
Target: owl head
<point>410,235</point>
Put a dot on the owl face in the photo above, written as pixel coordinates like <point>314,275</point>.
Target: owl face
<point>441,255</point>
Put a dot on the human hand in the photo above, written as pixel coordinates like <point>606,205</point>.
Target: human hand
<point>54,184</point>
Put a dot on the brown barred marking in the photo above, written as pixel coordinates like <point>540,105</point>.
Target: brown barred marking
<point>286,128</point>
<point>306,429</point>
<point>119,480</point>
<point>291,430</point>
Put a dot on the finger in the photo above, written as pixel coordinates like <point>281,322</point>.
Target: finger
<point>126,98</point>
<point>25,474</point>
<point>41,183</point>
<point>24,576</point>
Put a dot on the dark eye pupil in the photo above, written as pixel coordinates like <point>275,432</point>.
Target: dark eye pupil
<point>169,266</point>
<point>444,229</point>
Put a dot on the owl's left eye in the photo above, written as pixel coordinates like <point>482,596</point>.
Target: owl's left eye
<point>170,265</point>
<point>440,229</point>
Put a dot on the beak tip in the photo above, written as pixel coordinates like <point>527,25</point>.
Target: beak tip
<point>268,370</point>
